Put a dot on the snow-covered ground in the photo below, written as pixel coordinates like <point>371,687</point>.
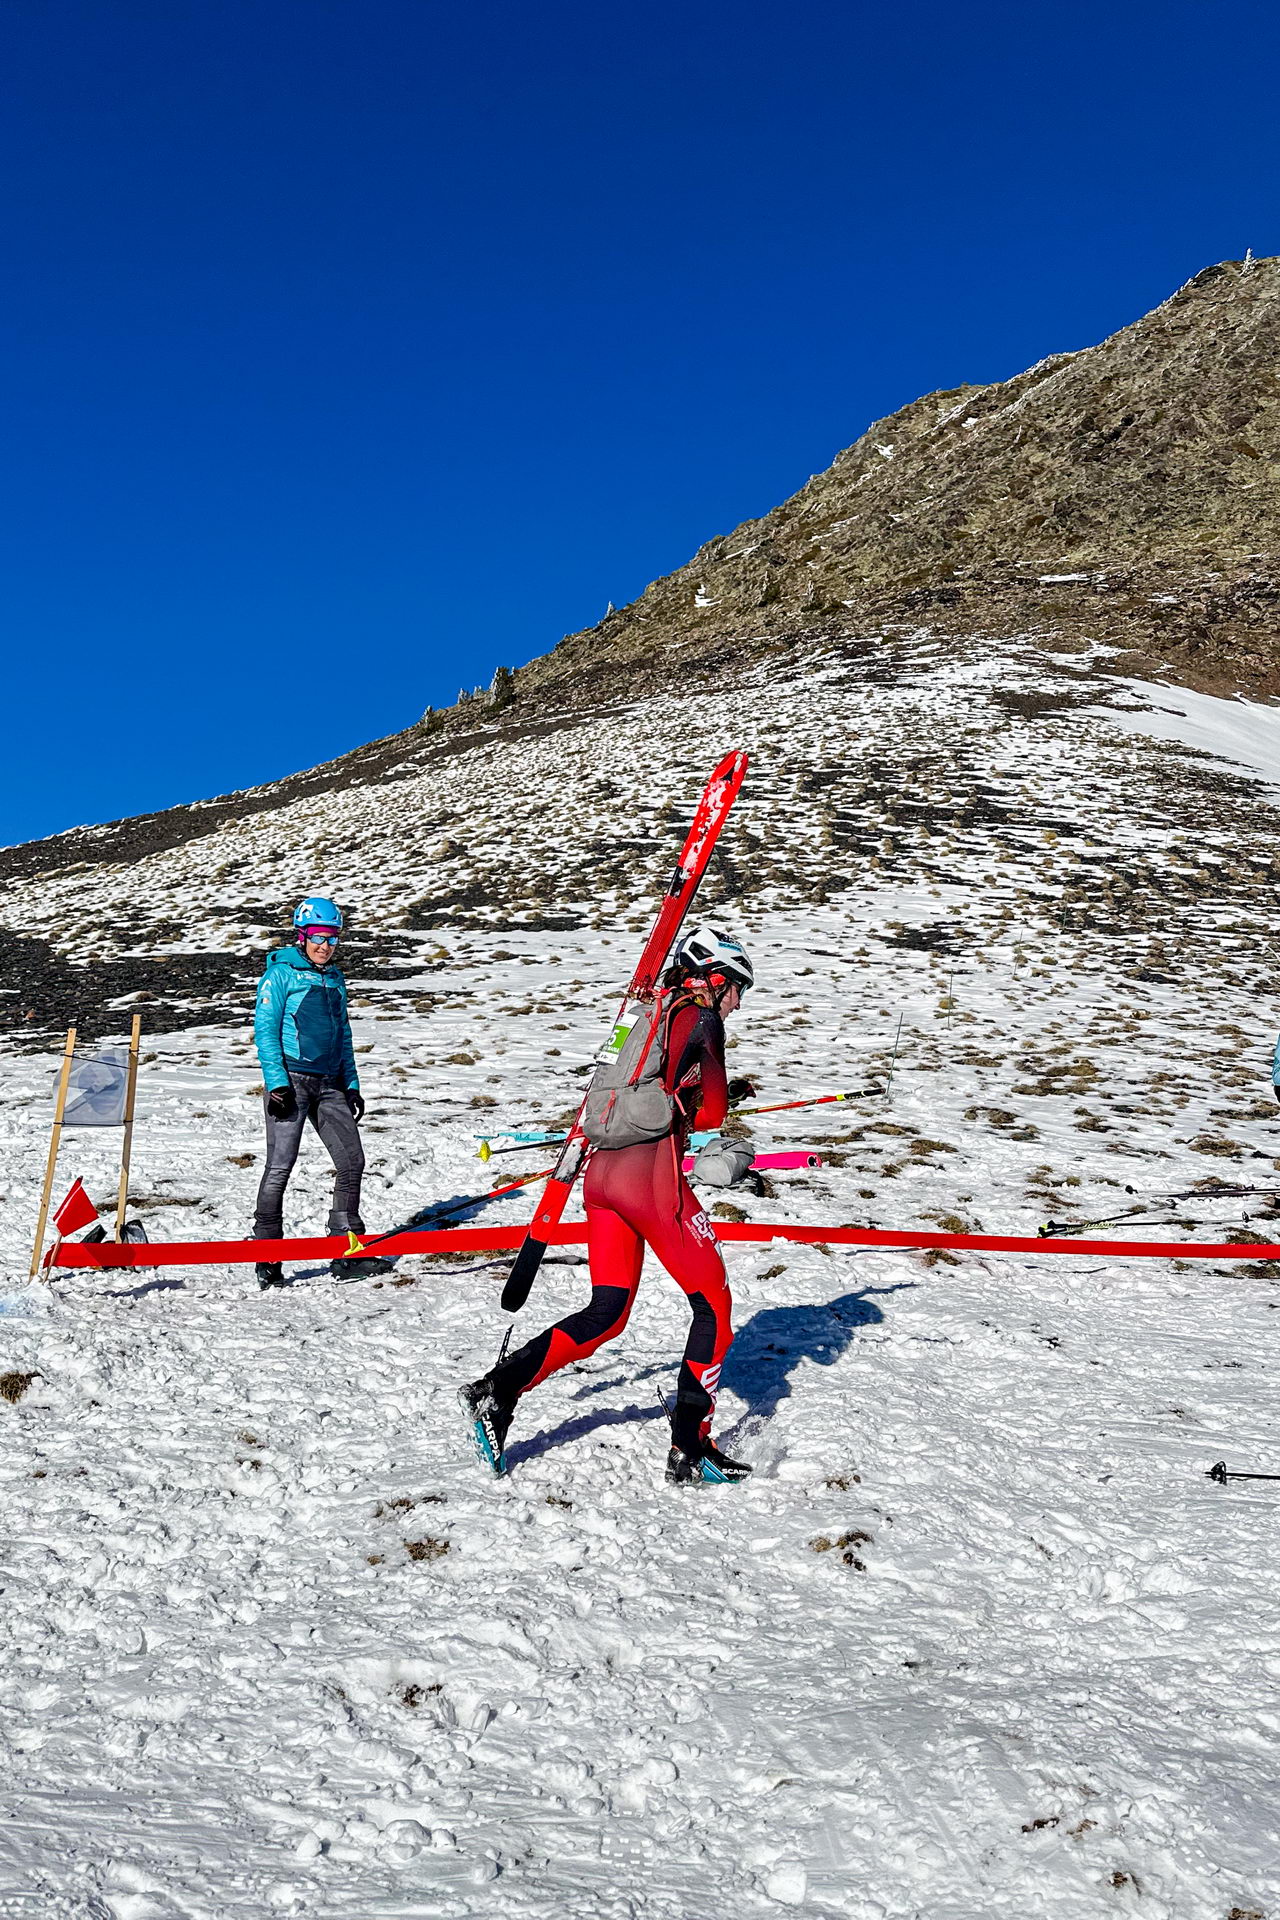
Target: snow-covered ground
<point>978,1637</point>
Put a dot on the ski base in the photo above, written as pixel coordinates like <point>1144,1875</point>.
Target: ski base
<point>490,1448</point>
<point>480,1440</point>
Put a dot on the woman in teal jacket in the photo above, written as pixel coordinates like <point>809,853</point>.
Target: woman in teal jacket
<point>303,1037</point>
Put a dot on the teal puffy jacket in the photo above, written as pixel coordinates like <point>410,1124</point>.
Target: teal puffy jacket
<point>300,1022</point>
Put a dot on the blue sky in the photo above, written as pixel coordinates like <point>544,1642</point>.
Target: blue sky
<point>350,348</point>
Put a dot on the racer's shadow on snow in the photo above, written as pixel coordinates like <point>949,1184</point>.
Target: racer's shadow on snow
<point>763,1355</point>
<point>766,1351</point>
<point>578,1428</point>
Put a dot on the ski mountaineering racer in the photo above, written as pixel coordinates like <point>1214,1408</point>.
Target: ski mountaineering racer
<point>636,1196</point>
<point>304,1045</point>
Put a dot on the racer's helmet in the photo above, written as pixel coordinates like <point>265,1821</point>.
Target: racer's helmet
<point>715,956</point>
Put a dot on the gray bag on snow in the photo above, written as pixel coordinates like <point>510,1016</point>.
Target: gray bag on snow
<point>723,1163</point>
<point>626,1101</point>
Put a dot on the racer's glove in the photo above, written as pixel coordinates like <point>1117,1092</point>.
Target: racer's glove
<point>282,1103</point>
<point>745,1090</point>
<point>355,1101</point>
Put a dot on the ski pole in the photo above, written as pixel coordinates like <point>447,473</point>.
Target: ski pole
<point>486,1152</point>
<point>820,1100</point>
<point>1214,1190</point>
<point>1145,1214</point>
<point>894,1061</point>
<point>1062,1227</point>
<point>358,1247</point>
<point>1219,1473</point>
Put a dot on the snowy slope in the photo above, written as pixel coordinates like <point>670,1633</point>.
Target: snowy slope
<point>978,1638</point>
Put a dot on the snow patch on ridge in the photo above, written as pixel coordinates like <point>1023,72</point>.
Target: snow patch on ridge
<point>1243,733</point>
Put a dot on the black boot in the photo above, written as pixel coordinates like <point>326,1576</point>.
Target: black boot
<point>490,1418</point>
<point>351,1266</point>
<point>270,1273</point>
<point>720,1465</point>
<point>707,1467</point>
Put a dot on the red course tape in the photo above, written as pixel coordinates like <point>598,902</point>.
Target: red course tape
<point>219,1253</point>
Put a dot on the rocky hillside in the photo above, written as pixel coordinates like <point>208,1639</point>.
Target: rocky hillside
<point>1128,493</point>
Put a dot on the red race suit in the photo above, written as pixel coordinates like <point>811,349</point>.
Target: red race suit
<point>637,1197</point>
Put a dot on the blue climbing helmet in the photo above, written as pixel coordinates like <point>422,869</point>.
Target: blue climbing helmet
<point>316,911</point>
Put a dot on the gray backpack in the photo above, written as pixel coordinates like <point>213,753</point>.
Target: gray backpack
<point>626,1101</point>
<point>723,1163</point>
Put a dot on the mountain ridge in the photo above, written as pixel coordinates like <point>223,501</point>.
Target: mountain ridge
<point>1206,615</point>
<point>1128,491</point>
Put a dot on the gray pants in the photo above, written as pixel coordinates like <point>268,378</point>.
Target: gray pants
<point>322,1101</point>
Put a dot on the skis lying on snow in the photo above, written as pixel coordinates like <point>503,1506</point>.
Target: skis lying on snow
<point>718,796</point>
<point>1151,1215</point>
<point>532,1137</point>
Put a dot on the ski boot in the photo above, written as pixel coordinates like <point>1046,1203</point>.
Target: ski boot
<point>489,1418</point>
<point>707,1467</point>
<point>350,1265</point>
<point>270,1274</point>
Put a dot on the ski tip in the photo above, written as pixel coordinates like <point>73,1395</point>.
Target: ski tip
<point>521,1277</point>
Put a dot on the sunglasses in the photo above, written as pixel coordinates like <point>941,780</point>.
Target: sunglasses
<point>321,939</point>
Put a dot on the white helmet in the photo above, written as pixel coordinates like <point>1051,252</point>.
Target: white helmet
<point>711,951</point>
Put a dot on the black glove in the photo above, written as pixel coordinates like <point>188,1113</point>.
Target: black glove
<point>740,1090</point>
<point>282,1103</point>
<point>1275,1089</point>
<point>355,1100</point>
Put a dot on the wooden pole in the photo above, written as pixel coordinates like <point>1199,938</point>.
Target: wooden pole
<point>63,1079</point>
<point>126,1147</point>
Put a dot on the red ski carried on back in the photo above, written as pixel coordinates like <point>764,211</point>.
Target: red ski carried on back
<point>718,796</point>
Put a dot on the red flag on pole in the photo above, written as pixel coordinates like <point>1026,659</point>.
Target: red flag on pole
<point>76,1211</point>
